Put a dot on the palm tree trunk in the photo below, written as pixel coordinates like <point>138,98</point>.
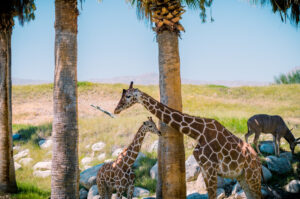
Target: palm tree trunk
<point>7,169</point>
<point>171,164</point>
<point>64,182</point>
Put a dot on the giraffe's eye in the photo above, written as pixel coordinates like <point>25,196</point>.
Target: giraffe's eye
<point>128,96</point>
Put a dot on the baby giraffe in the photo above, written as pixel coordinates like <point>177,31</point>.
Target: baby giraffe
<point>118,175</point>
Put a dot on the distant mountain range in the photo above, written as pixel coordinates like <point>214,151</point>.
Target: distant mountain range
<point>147,79</point>
<point>20,81</point>
<point>152,79</point>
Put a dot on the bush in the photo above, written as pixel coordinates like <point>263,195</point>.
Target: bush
<point>291,78</point>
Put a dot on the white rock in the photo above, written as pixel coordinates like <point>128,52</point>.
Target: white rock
<point>138,158</point>
<point>17,148</point>
<point>42,174</point>
<point>17,166</point>
<point>154,171</point>
<point>46,144</point>
<point>153,147</point>
<point>293,186</point>
<point>108,160</point>
<point>236,188</point>
<point>279,165</point>
<point>101,156</point>
<point>114,196</point>
<point>192,169</point>
<point>93,193</point>
<point>86,160</point>
<point>98,146</point>
<point>87,167</point>
<point>25,161</point>
<point>197,196</point>
<point>42,166</point>
<point>139,192</point>
<point>287,155</point>
<point>21,154</point>
<point>220,193</point>
<point>83,193</point>
<point>88,176</point>
<point>117,152</point>
<point>267,147</point>
<point>240,195</point>
<point>267,174</point>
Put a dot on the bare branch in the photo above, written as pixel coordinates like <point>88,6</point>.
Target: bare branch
<point>104,111</point>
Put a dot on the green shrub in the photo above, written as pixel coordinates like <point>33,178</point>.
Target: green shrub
<point>291,78</point>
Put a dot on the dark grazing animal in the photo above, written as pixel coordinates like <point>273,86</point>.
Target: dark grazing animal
<point>274,125</point>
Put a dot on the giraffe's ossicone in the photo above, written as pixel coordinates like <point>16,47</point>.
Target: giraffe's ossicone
<point>218,152</point>
<point>118,175</point>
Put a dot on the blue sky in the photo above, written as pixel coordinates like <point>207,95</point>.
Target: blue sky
<point>245,42</point>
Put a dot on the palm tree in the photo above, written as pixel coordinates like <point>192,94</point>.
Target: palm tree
<point>23,9</point>
<point>286,8</point>
<point>166,15</point>
<point>65,169</point>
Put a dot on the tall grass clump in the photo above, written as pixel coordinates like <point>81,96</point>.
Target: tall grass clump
<point>291,78</point>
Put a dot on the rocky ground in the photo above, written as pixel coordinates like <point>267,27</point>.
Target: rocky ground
<point>273,169</point>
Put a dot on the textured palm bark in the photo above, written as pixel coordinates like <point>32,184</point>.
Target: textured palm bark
<point>64,181</point>
<point>7,169</point>
<point>171,164</point>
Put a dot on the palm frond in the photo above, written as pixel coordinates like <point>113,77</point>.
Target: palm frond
<point>22,9</point>
<point>286,8</point>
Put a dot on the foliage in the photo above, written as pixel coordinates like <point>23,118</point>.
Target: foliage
<point>144,7</point>
<point>23,9</point>
<point>143,178</point>
<point>291,78</point>
<point>29,191</point>
<point>288,8</point>
<point>32,133</point>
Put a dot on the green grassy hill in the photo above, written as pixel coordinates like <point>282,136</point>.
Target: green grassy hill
<point>32,117</point>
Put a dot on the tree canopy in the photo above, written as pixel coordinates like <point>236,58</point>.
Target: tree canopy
<point>144,7</point>
<point>23,9</point>
<point>286,8</point>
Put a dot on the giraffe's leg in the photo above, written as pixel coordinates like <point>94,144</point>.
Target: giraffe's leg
<point>210,179</point>
<point>209,171</point>
<point>120,191</point>
<point>102,189</point>
<point>130,191</point>
<point>131,185</point>
<point>255,141</point>
<point>108,193</point>
<point>251,183</point>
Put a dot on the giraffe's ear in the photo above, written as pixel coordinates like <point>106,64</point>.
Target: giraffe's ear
<point>131,84</point>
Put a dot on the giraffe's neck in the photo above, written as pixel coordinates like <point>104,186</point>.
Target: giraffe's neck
<point>133,149</point>
<point>184,123</point>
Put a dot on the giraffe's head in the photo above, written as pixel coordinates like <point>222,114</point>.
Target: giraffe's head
<point>150,126</point>
<point>129,98</point>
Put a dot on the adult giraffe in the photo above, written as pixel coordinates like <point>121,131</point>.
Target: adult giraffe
<point>218,151</point>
